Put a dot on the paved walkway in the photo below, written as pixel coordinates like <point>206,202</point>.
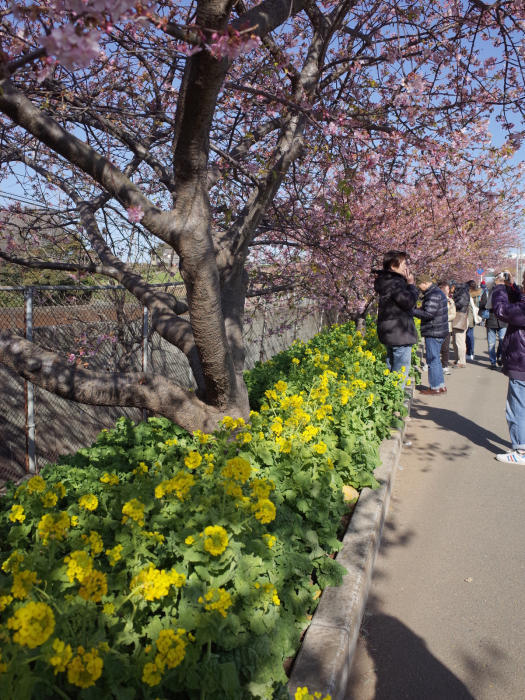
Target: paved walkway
<point>445,618</point>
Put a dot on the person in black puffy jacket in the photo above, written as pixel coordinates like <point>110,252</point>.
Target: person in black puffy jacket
<point>397,298</point>
<point>434,329</point>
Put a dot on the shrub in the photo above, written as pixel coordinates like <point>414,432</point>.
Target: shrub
<point>159,563</point>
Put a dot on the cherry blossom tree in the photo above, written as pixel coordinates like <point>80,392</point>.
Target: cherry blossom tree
<point>326,246</point>
<point>213,126</point>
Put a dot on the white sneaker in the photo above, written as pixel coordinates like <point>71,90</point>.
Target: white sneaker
<point>446,370</point>
<point>470,357</point>
<point>424,367</point>
<point>514,457</point>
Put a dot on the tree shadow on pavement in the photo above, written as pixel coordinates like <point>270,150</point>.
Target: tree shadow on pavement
<point>404,667</point>
<point>456,423</point>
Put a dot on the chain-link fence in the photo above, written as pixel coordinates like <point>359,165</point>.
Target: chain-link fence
<point>105,328</point>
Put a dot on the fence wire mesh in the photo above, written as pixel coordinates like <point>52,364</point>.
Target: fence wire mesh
<point>105,328</point>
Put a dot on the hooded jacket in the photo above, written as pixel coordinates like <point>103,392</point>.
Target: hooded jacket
<point>433,313</point>
<point>508,303</point>
<point>397,299</point>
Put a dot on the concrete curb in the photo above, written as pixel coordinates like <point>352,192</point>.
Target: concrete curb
<point>325,658</point>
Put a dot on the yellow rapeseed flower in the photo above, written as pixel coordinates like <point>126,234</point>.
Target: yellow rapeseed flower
<point>133,510</point>
<point>192,460</point>
<point>94,541</point>
<point>217,599</point>
<point>264,510</point>
<point>276,427</point>
<point>5,601</point>
<point>152,583</point>
<point>237,468</point>
<point>261,488</point>
<point>61,657</point>
<point>49,499</point>
<point>141,469</point>
<point>93,586</point>
<point>171,648</point>
<point>320,447</point>
<point>78,563</point>
<point>215,539</point>
<point>270,540</point>
<point>13,561</point>
<point>151,674</point>
<point>309,432</point>
<point>54,526</point>
<point>22,583</point>
<point>17,514</point>
<point>89,501</point>
<point>85,668</point>
<point>36,485</point>
<point>110,479</point>
<point>304,694</point>
<point>33,624</point>
<point>203,438</point>
<point>232,488</point>
<point>180,484</point>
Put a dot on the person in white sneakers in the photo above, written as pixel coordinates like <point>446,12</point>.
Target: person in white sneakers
<point>508,305</point>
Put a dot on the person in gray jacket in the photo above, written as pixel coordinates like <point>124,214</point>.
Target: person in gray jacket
<point>434,329</point>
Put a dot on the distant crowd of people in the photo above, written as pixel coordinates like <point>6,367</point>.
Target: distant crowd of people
<point>449,311</point>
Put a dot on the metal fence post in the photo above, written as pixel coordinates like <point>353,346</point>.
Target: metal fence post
<point>29,388</point>
<point>145,348</point>
<point>263,331</point>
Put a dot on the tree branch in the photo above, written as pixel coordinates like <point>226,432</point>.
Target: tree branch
<point>153,392</point>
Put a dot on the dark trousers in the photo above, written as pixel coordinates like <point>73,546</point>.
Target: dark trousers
<point>470,341</point>
<point>445,349</point>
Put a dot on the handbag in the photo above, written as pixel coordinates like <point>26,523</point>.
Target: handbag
<point>460,321</point>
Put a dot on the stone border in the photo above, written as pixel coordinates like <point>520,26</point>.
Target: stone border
<point>325,658</point>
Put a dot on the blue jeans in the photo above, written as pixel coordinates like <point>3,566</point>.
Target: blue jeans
<point>470,341</point>
<point>515,413</point>
<point>398,356</point>
<point>492,335</point>
<point>435,370</point>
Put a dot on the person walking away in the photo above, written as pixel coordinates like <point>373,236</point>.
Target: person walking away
<point>445,348</point>
<point>434,329</point>
<point>496,327</point>
<point>472,317</point>
<point>461,297</point>
<point>508,304</point>
<point>397,298</point>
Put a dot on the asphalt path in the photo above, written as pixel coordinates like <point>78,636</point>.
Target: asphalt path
<point>446,612</point>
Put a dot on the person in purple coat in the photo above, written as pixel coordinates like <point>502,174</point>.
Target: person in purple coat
<point>508,304</point>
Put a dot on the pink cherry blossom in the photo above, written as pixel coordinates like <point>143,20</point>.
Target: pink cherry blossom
<point>72,47</point>
<point>135,214</point>
<point>231,44</point>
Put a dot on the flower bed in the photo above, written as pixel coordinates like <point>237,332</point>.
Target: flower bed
<point>156,563</point>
